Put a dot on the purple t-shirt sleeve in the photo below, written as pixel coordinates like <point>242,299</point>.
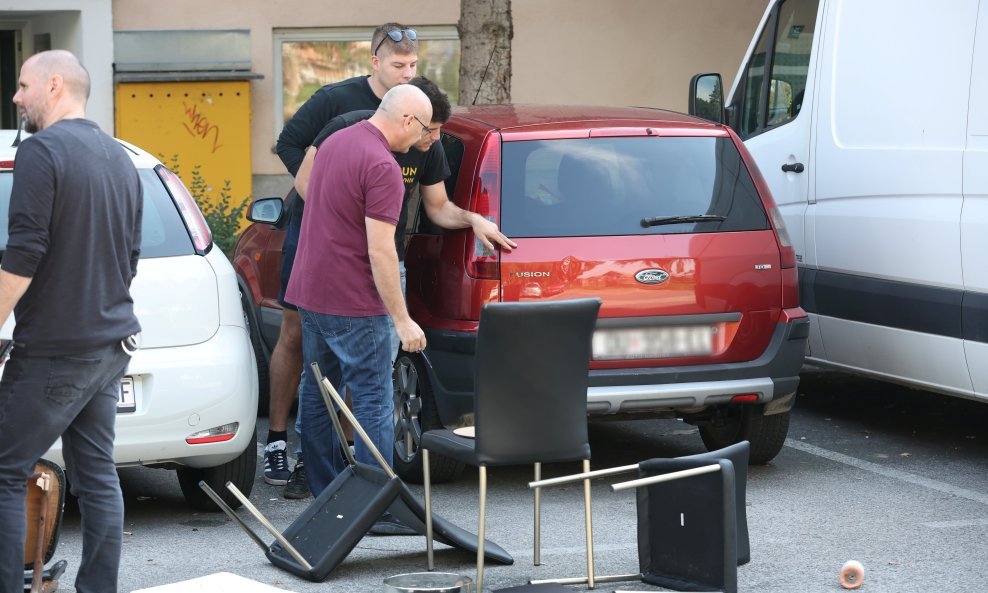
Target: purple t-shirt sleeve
<point>385,191</point>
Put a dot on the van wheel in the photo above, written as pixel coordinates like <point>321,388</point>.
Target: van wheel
<point>263,380</point>
<point>415,412</point>
<point>733,424</point>
<point>240,471</point>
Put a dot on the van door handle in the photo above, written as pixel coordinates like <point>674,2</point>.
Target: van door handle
<point>793,168</point>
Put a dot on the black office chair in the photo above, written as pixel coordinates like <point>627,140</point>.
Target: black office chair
<point>692,520</point>
<point>330,527</point>
<point>530,402</point>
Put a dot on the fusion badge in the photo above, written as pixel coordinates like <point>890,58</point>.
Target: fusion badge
<point>652,276</point>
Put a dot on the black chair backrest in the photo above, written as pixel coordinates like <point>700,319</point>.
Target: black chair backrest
<point>687,529</point>
<point>530,381</point>
<point>737,454</point>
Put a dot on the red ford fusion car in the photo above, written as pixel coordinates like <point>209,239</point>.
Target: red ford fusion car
<point>663,216</point>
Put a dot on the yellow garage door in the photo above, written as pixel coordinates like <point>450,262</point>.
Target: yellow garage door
<point>198,128</point>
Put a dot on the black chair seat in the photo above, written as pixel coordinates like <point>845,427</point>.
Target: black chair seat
<point>449,444</point>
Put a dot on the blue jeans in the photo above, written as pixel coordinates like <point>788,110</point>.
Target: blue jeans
<point>395,344</point>
<point>75,397</point>
<point>351,351</point>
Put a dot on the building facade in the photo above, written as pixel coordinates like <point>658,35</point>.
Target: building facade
<point>613,52</point>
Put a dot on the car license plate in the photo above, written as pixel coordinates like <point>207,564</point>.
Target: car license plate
<point>653,342</point>
<point>127,401</point>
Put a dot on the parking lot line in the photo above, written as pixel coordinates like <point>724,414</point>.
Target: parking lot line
<point>888,472</point>
<point>960,523</point>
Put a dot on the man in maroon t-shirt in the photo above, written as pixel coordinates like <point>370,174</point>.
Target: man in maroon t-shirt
<point>345,280</point>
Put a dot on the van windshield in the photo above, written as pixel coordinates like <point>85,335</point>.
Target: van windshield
<point>609,186</point>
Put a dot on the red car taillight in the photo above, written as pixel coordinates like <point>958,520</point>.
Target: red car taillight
<point>202,237</point>
<point>790,277</point>
<point>485,200</point>
<point>785,243</point>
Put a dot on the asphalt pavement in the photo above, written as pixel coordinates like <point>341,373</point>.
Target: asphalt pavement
<point>892,477</point>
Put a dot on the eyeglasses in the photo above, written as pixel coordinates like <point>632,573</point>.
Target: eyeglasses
<point>396,37</point>
<point>426,130</point>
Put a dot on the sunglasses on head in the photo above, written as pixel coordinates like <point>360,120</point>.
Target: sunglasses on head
<point>396,37</point>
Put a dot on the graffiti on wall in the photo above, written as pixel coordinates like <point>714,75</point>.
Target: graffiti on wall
<point>198,125</point>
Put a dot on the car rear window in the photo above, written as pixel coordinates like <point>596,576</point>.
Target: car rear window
<point>163,233</point>
<point>607,186</point>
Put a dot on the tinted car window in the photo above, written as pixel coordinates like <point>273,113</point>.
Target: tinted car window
<point>163,233</point>
<point>607,186</point>
<point>453,148</point>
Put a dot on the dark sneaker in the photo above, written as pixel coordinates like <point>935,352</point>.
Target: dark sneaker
<point>388,524</point>
<point>297,487</point>
<point>276,470</point>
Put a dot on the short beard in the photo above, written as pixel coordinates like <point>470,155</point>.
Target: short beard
<point>30,126</point>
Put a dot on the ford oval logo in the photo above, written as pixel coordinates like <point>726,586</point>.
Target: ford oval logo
<point>653,276</point>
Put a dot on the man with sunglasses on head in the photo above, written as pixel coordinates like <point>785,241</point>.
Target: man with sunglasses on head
<point>394,57</point>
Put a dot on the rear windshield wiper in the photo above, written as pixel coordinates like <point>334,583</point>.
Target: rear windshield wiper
<point>660,220</point>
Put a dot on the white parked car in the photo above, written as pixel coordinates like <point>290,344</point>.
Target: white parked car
<point>189,400</point>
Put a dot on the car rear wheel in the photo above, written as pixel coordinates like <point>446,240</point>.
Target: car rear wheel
<point>734,424</point>
<point>415,412</point>
<point>263,381</point>
<point>240,471</point>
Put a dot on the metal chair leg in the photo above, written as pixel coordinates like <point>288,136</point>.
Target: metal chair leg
<point>426,478</point>
<point>538,517</point>
<point>589,520</point>
<point>481,528</point>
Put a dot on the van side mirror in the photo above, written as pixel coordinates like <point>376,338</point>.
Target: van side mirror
<point>707,97</point>
<point>266,210</point>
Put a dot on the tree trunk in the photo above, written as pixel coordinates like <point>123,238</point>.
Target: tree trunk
<point>485,51</point>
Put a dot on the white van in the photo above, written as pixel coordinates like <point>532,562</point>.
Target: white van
<point>871,130</point>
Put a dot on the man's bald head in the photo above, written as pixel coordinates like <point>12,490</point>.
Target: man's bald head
<point>53,85</point>
<point>403,116</point>
<point>406,99</point>
<point>59,62</point>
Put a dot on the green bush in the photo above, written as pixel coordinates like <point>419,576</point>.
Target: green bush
<point>223,216</point>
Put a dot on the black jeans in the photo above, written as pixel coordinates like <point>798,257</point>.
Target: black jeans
<point>73,397</point>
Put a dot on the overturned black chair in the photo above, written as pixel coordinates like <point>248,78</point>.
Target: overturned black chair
<point>692,527</point>
<point>530,402</point>
<point>328,530</point>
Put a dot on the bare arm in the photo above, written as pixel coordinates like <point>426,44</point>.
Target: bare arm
<point>450,216</point>
<point>12,288</point>
<point>384,266</point>
<point>305,171</point>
